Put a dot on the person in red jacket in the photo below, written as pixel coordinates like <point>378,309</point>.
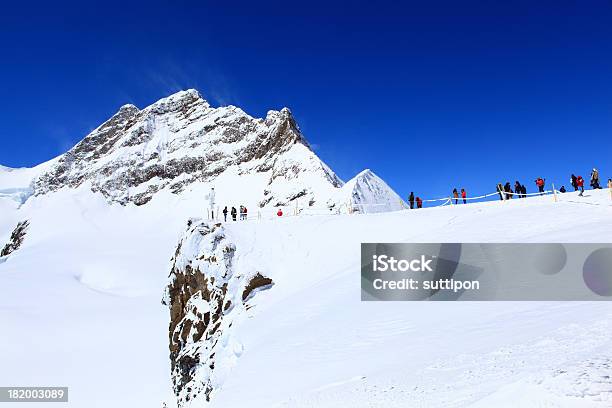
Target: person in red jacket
<point>419,202</point>
<point>540,183</point>
<point>279,212</point>
<point>464,195</point>
<point>580,184</point>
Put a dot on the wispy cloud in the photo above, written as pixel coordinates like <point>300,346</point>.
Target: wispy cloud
<point>170,77</point>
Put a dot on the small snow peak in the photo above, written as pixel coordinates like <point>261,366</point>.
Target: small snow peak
<point>365,173</point>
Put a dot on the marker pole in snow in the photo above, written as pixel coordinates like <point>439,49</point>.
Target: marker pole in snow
<point>554,192</point>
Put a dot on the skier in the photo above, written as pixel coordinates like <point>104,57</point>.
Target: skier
<point>225,214</point>
<point>234,212</point>
<point>456,195</point>
<point>573,181</point>
<point>500,190</point>
<point>245,213</point>
<point>524,190</point>
<point>508,190</point>
<point>279,212</point>
<point>419,202</point>
<point>464,195</point>
<point>518,189</point>
<point>411,200</point>
<point>563,190</point>
<point>580,184</point>
<point>595,179</point>
<point>540,183</point>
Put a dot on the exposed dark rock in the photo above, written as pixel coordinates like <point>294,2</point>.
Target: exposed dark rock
<point>256,282</point>
<point>16,239</point>
<point>202,307</point>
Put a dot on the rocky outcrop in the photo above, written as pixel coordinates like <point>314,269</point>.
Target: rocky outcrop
<point>206,297</point>
<point>16,239</point>
<point>180,140</point>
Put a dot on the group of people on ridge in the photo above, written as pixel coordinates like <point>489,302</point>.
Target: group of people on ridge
<point>578,182</point>
<point>519,189</point>
<point>419,201</point>
<point>507,191</point>
<point>463,195</point>
<point>243,213</point>
<point>234,213</point>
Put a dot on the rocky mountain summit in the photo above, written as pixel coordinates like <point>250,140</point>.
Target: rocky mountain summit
<point>181,141</point>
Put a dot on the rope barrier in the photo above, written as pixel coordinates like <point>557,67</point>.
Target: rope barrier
<point>430,200</point>
<point>271,213</point>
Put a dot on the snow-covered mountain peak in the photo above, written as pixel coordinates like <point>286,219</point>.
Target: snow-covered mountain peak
<point>181,140</point>
<point>364,174</point>
<point>368,193</point>
<point>181,143</point>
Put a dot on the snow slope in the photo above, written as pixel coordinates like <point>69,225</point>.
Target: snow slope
<point>81,307</point>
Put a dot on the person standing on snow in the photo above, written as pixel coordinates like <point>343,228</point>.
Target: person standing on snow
<point>540,183</point>
<point>411,200</point>
<point>455,195</point>
<point>573,181</point>
<point>508,190</point>
<point>562,190</point>
<point>419,202</point>
<point>234,212</point>
<point>225,214</point>
<point>595,179</point>
<point>524,190</point>
<point>245,213</point>
<point>464,195</point>
<point>518,189</point>
<point>580,184</point>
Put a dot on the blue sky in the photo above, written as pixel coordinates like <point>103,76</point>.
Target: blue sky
<point>430,95</point>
